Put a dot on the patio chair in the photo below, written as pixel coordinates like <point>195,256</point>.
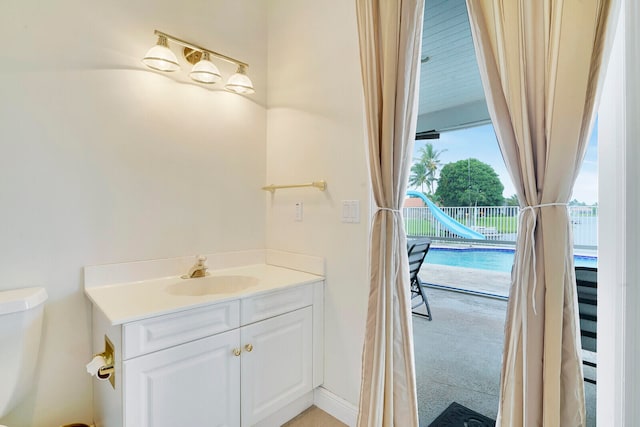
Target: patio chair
<point>418,249</point>
<point>587,286</point>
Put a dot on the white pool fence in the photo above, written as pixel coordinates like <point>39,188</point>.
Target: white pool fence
<point>497,223</point>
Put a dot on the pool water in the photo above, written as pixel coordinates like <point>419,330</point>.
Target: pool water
<point>488,259</point>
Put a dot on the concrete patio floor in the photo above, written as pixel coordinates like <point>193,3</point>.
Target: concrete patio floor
<point>458,354</point>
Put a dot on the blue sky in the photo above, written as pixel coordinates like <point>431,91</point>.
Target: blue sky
<point>480,143</point>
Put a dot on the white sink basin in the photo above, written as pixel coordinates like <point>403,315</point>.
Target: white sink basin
<point>211,285</point>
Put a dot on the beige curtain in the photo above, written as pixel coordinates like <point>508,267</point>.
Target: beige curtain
<point>390,33</point>
<point>541,67</point>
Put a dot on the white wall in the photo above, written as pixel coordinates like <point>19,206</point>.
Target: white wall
<point>102,160</point>
<point>619,230</point>
<point>316,131</point>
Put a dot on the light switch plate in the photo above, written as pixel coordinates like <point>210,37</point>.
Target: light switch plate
<point>351,211</point>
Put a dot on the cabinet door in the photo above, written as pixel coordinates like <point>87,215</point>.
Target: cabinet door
<point>193,384</point>
<point>278,369</point>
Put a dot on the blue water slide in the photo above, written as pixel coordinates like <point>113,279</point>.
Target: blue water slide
<point>449,223</point>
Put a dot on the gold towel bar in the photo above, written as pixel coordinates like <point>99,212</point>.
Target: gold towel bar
<point>320,185</point>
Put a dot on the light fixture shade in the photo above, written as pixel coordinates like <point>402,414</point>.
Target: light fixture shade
<point>160,57</point>
<point>239,82</point>
<point>205,71</point>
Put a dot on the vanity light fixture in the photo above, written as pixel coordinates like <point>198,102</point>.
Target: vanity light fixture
<point>239,82</point>
<point>205,71</point>
<point>161,58</point>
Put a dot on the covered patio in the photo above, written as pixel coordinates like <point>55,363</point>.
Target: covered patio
<point>458,354</point>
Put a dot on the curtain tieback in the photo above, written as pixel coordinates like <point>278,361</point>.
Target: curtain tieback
<point>378,209</point>
<point>543,205</point>
<point>531,209</point>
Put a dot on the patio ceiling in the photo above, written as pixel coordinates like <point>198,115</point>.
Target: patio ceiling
<point>451,94</point>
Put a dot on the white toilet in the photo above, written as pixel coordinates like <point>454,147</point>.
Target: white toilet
<point>21,312</point>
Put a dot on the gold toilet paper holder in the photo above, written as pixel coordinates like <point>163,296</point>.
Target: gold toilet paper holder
<point>108,370</point>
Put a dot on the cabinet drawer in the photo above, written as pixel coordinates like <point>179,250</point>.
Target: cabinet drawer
<point>272,304</point>
<point>146,336</point>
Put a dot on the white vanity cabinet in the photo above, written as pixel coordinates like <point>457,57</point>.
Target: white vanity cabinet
<point>193,384</point>
<point>276,363</point>
<point>233,363</point>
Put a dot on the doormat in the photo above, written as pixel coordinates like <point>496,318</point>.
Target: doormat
<point>457,415</point>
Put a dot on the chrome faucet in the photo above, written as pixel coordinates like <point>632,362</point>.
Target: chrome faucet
<point>199,269</point>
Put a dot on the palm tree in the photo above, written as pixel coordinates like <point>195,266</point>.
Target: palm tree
<point>419,175</point>
<point>512,201</point>
<point>429,157</point>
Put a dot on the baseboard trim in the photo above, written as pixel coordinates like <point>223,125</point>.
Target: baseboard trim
<point>335,406</point>
<point>290,411</point>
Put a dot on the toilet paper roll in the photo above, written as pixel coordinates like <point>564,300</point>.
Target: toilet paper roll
<point>96,363</point>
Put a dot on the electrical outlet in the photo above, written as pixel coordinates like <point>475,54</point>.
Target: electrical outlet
<point>298,215</point>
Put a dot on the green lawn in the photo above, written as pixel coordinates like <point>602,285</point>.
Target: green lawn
<point>419,227</point>
<point>502,224</point>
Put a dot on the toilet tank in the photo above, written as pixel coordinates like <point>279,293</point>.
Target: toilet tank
<point>21,313</point>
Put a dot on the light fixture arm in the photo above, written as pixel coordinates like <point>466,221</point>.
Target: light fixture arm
<point>201,49</point>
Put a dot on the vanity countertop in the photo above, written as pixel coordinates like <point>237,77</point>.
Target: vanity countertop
<point>127,302</point>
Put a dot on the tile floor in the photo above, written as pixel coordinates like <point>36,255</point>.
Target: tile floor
<point>314,417</point>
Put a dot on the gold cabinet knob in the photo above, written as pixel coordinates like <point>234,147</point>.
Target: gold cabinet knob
<point>248,347</point>
<point>237,351</point>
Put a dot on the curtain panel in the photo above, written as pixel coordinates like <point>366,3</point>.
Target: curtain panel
<point>541,64</point>
<point>390,34</point>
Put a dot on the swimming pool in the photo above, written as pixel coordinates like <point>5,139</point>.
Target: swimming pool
<point>494,259</point>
